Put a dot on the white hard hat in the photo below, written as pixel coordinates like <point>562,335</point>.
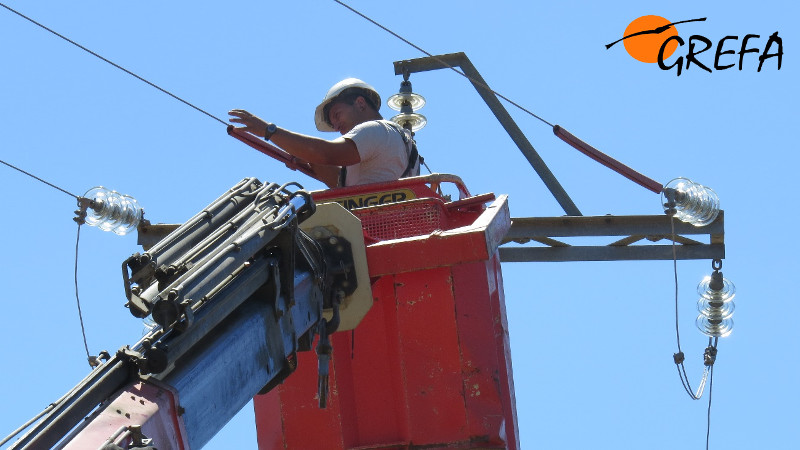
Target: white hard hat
<point>319,114</point>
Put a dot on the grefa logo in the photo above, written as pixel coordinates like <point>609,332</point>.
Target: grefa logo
<point>651,39</point>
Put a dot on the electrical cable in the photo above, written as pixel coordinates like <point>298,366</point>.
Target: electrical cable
<point>37,178</point>
<point>712,343</point>
<point>708,413</point>
<point>679,356</point>
<point>77,298</point>
<point>114,64</point>
<point>559,131</point>
<point>444,63</point>
<point>675,271</point>
<point>225,123</point>
<point>77,242</point>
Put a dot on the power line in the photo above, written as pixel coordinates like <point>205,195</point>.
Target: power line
<point>444,63</point>
<point>77,298</point>
<point>37,178</point>
<point>708,413</point>
<point>77,241</point>
<point>522,108</point>
<point>678,357</point>
<point>115,65</point>
<point>709,370</point>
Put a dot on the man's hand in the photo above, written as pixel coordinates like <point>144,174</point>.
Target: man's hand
<point>251,124</point>
<point>338,152</point>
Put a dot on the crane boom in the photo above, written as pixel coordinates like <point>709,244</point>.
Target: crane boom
<point>236,291</point>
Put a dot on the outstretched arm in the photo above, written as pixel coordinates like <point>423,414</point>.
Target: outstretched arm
<point>336,152</point>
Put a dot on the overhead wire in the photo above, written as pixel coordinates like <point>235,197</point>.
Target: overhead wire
<point>77,241</point>
<point>559,131</point>
<point>78,299</point>
<point>682,372</point>
<point>678,357</point>
<point>37,178</point>
<point>708,372</point>
<point>77,296</point>
<point>114,64</point>
<point>483,85</point>
<point>681,367</point>
<point>512,102</point>
<point>708,413</point>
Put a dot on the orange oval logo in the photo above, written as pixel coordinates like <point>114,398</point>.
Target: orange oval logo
<point>645,36</point>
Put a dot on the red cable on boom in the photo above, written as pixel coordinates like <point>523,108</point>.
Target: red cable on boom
<point>607,161</point>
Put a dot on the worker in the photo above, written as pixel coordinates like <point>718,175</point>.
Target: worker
<point>370,149</point>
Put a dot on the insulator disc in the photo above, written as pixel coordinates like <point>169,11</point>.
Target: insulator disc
<point>396,101</point>
<point>725,311</point>
<point>714,328</point>
<point>727,293</point>
<point>417,121</point>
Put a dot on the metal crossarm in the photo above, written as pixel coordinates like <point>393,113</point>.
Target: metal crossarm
<point>641,235</point>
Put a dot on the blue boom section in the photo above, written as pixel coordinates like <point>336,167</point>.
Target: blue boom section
<point>236,291</point>
<point>243,355</point>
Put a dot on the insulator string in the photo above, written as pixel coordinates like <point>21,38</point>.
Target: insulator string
<point>709,370</point>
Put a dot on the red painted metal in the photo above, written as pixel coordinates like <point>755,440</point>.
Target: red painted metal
<point>426,186</point>
<point>611,163</point>
<point>261,145</point>
<point>430,363</point>
<point>149,404</point>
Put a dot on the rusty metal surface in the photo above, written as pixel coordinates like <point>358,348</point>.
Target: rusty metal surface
<point>150,405</point>
<point>150,235</point>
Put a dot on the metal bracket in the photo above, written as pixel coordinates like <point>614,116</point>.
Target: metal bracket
<point>460,60</point>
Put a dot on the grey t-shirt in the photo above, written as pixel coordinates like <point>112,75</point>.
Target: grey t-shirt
<point>384,154</point>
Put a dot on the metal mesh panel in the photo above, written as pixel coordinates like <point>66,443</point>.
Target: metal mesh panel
<point>403,220</point>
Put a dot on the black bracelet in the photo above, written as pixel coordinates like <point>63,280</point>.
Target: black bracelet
<point>271,129</point>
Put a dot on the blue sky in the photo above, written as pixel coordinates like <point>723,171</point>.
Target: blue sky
<point>592,342</point>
